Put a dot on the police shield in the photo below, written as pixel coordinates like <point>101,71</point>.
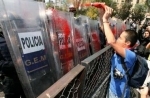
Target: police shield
<point>62,43</point>
<point>85,21</point>
<point>91,27</point>
<point>94,36</point>
<point>25,33</point>
<point>80,39</point>
<point>120,27</point>
<point>113,27</point>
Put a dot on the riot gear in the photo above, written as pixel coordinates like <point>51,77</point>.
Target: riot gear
<point>12,87</point>
<point>11,84</point>
<point>16,20</point>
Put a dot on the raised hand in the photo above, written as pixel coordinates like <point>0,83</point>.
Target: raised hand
<point>108,13</point>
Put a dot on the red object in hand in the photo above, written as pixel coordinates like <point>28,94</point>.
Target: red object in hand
<point>98,5</point>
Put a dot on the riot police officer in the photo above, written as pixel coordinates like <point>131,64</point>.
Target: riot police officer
<point>11,85</point>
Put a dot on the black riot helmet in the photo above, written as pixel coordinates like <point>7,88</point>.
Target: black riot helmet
<point>10,18</point>
<point>14,19</point>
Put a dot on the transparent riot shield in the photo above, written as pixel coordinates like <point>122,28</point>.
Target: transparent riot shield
<point>81,40</point>
<point>94,36</point>
<point>62,40</point>
<point>25,34</point>
<point>86,27</point>
<point>123,26</point>
<point>119,30</point>
<point>91,27</point>
<point>120,27</point>
<point>113,27</point>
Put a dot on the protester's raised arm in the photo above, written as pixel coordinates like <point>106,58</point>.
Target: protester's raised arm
<point>108,33</point>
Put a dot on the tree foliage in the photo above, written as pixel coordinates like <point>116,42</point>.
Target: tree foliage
<point>124,11</point>
<point>147,4</point>
<point>49,5</point>
<point>92,12</point>
<point>52,5</point>
<point>138,12</point>
<point>40,0</point>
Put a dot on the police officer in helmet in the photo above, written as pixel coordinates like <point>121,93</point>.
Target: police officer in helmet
<point>11,85</point>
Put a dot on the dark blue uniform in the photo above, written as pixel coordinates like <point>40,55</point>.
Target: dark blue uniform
<point>11,84</point>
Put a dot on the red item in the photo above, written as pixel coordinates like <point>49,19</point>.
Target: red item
<point>63,31</point>
<point>95,41</point>
<point>98,5</point>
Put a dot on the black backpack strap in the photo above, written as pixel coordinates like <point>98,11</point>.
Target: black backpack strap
<point>126,72</point>
<point>123,64</point>
<point>125,67</point>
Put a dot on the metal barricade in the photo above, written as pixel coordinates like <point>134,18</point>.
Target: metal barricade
<point>88,80</point>
<point>67,86</point>
<point>97,68</point>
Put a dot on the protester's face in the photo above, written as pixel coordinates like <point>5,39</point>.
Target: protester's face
<point>146,34</point>
<point>122,40</point>
<point>148,28</point>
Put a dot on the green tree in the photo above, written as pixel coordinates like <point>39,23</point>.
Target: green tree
<point>40,0</point>
<point>124,11</point>
<point>92,12</point>
<point>53,5</point>
<point>49,5</point>
<point>147,3</point>
<point>138,12</point>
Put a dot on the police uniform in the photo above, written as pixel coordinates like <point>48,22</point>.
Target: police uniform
<point>11,85</point>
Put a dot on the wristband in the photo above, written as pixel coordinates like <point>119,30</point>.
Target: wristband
<point>105,22</point>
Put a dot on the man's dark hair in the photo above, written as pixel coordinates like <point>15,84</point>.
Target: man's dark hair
<point>132,36</point>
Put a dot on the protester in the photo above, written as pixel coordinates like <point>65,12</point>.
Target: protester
<point>133,25</point>
<point>122,47</point>
<point>127,22</point>
<point>143,49</point>
<point>146,34</point>
<point>148,28</point>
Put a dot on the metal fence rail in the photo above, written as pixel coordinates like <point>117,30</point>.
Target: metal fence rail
<point>102,90</point>
<point>88,80</point>
<point>97,68</point>
<point>67,86</point>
